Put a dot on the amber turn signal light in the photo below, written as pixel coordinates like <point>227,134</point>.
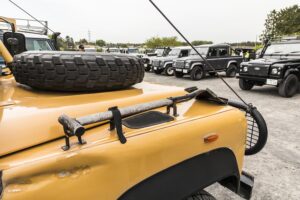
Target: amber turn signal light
<point>211,138</point>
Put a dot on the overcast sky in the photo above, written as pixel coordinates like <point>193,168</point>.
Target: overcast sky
<point>137,20</point>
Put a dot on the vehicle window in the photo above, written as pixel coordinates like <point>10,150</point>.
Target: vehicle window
<point>201,50</point>
<point>184,53</point>
<point>133,51</point>
<point>212,52</point>
<point>35,44</point>
<point>159,52</point>
<point>174,52</point>
<point>283,48</point>
<point>223,51</point>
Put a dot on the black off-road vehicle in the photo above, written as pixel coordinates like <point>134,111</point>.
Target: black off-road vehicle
<point>220,56</point>
<point>164,64</point>
<point>278,65</point>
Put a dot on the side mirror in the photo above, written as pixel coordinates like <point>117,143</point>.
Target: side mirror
<point>55,40</point>
<point>14,42</point>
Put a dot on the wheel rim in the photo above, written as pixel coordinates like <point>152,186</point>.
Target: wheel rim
<point>198,74</point>
<point>170,71</point>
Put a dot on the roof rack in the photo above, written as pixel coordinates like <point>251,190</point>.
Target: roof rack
<point>26,26</point>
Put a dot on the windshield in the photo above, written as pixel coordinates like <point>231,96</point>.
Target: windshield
<point>37,44</point>
<point>174,52</point>
<point>283,48</point>
<point>114,50</point>
<point>160,52</point>
<point>201,50</point>
<point>133,51</point>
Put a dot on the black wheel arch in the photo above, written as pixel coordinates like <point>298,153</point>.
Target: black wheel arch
<point>232,62</point>
<point>187,177</point>
<point>295,71</point>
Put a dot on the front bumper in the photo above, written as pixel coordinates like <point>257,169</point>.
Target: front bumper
<point>182,70</point>
<point>262,80</point>
<point>244,186</point>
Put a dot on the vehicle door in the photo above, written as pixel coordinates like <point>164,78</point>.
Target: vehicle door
<point>212,57</point>
<point>223,57</point>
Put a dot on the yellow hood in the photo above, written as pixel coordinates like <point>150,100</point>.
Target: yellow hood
<point>29,117</point>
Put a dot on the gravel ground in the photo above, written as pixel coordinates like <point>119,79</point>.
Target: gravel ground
<point>277,167</point>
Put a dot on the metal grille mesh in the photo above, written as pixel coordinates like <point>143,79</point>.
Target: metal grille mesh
<point>252,132</point>
<point>156,63</point>
<point>179,64</point>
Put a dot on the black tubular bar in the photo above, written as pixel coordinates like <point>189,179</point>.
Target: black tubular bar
<point>76,126</point>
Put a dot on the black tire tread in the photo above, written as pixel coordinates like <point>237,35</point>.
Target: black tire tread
<point>77,71</point>
<point>194,72</point>
<point>245,84</point>
<point>202,195</point>
<point>230,69</point>
<point>282,89</point>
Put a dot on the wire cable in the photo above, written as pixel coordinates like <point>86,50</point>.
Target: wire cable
<point>31,16</point>
<point>192,46</point>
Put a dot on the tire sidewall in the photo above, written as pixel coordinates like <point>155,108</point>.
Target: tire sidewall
<point>195,73</point>
<point>245,84</point>
<point>169,71</point>
<point>231,70</point>
<point>289,86</point>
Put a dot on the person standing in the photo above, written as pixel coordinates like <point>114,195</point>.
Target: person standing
<point>81,47</point>
<point>247,56</point>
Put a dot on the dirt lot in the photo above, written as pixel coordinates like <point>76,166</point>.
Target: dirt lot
<point>277,167</point>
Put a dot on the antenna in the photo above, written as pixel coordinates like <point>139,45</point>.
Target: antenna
<point>192,46</point>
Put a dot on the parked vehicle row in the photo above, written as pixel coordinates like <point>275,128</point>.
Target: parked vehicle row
<point>185,61</point>
<point>277,65</point>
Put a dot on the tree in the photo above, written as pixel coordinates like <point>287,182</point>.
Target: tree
<point>100,43</point>
<point>288,21</point>
<point>69,42</point>
<point>155,42</point>
<point>200,42</point>
<point>282,22</point>
<point>83,41</point>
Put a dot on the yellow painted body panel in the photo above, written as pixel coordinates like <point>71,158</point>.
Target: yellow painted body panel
<point>5,53</point>
<point>103,168</point>
<point>32,115</point>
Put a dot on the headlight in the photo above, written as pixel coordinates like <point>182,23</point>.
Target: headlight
<point>275,71</point>
<point>187,64</point>
<point>245,69</point>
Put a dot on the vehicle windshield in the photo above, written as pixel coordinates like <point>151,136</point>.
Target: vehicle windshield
<point>114,50</point>
<point>133,51</point>
<point>174,52</point>
<point>284,48</point>
<point>37,44</point>
<point>159,52</point>
<point>201,50</point>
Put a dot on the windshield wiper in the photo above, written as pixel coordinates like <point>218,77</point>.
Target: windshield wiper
<point>295,52</point>
<point>277,52</point>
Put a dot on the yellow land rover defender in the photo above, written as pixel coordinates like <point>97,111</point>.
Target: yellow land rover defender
<point>83,125</point>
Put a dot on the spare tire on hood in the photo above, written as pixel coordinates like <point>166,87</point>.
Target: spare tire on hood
<point>77,71</point>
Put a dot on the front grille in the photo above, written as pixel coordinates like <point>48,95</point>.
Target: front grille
<point>258,70</point>
<point>156,63</point>
<point>179,64</point>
